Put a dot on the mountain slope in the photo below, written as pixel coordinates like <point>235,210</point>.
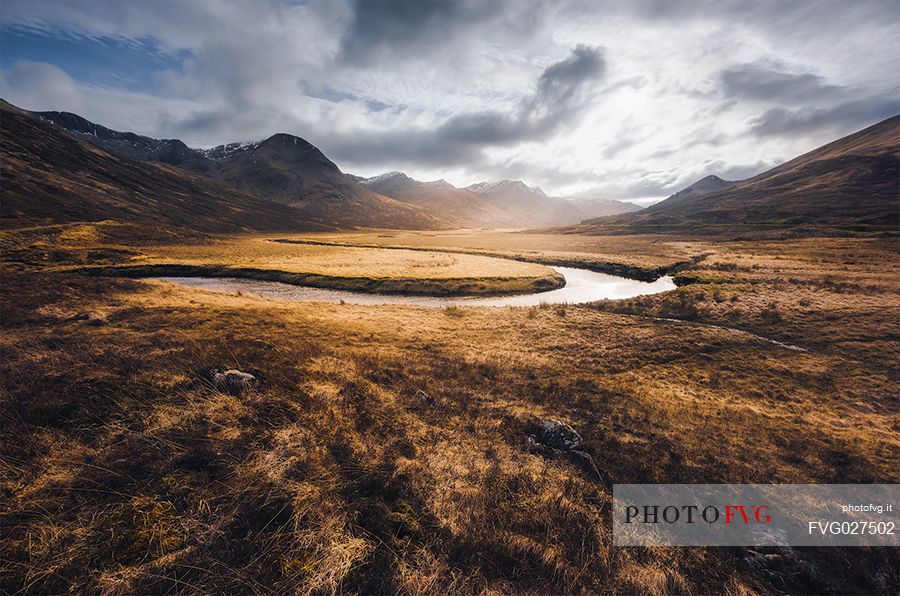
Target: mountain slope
<point>528,205</point>
<point>591,208</point>
<point>48,175</point>
<point>284,169</point>
<point>441,198</point>
<point>696,190</point>
<point>289,170</point>
<point>853,182</point>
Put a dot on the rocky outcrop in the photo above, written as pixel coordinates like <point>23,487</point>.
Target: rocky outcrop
<point>424,398</point>
<point>558,435</point>
<point>235,382</point>
<point>556,439</point>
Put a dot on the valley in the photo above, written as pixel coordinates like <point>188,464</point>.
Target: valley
<point>386,445</point>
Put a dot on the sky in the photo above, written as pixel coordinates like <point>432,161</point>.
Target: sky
<point>624,100</point>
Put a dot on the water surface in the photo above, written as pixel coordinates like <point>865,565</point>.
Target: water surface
<point>581,286</point>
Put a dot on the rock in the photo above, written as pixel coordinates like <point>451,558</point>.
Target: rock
<point>558,439</point>
<point>558,435</point>
<point>235,382</point>
<point>585,462</point>
<point>768,561</point>
<point>424,397</point>
<point>532,446</point>
<point>93,319</point>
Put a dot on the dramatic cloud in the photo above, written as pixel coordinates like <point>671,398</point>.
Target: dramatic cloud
<point>393,28</point>
<point>749,81</point>
<point>559,97</point>
<point>852,115</point>
<point>624,100</point>
<point>42,86</point>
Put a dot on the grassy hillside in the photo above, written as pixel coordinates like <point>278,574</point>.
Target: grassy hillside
<point>50,176</point>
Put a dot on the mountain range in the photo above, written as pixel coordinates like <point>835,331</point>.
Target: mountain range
<point>282,169</point>
<point>289,170</point>
<point>60,167</point>
<point>503,204</point>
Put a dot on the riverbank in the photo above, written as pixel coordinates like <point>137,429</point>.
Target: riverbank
<point>630,271</point>
<point>581,286</point>
<point>420,286</point>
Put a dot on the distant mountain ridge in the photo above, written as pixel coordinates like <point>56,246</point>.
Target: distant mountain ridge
<point>503,203</point>
<point>505,188</point>
<point>597,207</point>
<point>129,144</point>
<point>531,204</point>
<point>229,150</point>
<point>699,188</point>
<point>441,198</point>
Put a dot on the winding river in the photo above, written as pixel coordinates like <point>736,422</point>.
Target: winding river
<point>581,286</point>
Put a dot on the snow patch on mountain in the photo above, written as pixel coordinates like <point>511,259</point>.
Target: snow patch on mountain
<point>505,186</point>
<point>229,150</point>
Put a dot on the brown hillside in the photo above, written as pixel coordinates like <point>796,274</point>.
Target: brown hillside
<point>852,183</point>
<point>48,175</point>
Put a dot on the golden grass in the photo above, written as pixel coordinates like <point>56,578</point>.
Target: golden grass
<point>123,471</point>
<point>100,249</point>
<point>641,251</point>
<point>261,253</point>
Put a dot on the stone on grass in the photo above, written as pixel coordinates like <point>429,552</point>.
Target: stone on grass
<point>235,382</point>
<point>558,435</point>
<point>93,319</point>
<point>424,397</point>
<point>585,462</point>
<point>557,439</point>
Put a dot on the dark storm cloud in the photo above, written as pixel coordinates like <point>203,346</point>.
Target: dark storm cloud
<point>559,83</point>
<point>558,98</point>
<point>845,116</point>
<point>380,27</point>
<point>749,81</point>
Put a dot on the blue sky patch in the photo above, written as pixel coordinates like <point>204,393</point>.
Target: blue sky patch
<point>128,64</point>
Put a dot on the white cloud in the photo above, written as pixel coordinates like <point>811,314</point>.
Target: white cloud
<point>40,86</point>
